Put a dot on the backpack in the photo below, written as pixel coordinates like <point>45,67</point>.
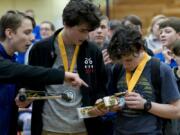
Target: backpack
<point>169,127</point>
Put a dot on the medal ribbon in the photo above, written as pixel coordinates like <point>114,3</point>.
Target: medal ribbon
<point>132,80</point>
<point>64,55</point>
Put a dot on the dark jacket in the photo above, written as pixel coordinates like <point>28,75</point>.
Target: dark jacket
<point>43,54</point>
<point>11,72</point>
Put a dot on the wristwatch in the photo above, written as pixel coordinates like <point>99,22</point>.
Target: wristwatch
<point>147,105</point>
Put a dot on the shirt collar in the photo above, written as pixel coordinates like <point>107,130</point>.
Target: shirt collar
<point>5,55</point>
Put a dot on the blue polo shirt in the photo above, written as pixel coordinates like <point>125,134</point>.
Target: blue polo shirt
<point>7,96</point>
<point>161,57</point>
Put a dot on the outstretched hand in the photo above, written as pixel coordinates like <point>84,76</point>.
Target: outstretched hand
<point>74,79</point>
<point>22,104</point>
<point>99,109</point>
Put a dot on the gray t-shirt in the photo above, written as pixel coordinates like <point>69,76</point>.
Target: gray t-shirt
<point>137,122</point>
<point>59,115</point>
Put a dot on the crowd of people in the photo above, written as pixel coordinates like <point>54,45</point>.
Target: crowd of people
<point>89,58</point>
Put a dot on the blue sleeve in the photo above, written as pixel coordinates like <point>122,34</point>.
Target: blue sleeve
<point>36,32</point>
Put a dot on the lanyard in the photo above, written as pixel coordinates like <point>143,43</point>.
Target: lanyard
<point>64,55</point>
<point>132,80</point>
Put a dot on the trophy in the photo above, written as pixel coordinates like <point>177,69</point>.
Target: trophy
<point>24,95</point>
<point>104,103</point>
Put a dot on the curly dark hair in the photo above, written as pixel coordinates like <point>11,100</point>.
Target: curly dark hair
<point>81,11</point>
<point>134,19</point>
<point>124,42</point>
<point>173,22</point>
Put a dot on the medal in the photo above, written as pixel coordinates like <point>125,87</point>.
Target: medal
<point>121,101</point>
<point>110,101</point>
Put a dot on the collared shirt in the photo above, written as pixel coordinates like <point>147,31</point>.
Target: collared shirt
<point>161,57</point>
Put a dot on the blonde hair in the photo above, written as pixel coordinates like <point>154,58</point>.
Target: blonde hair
<point>154,20</point>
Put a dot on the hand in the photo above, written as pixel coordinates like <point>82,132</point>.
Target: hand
<point>106,57</point>
<point>168,55</point>
<point>22,104</point>
<point>134,100</point>
<point>115,108</point>
<point>99,109</point>
<point>74,79</point>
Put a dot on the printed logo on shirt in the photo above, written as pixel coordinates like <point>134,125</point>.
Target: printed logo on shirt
<point>88,65</point>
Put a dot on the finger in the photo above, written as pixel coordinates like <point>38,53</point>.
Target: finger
<point>117,107</point>
<point>98,111</point>
<point>99,100</point>
<point>94,112</point>
<point>84,83</point>
<point>17,99</point>
<point>106,57</point>
<point>132,106</point>
<point>104,111</point>
<point>131,98</point>
<point>113,109</point>
<point>75,84</point>
<point>104,51</point>
<point>132,94</point>
<point>108,61</point>
<point>131,102</point>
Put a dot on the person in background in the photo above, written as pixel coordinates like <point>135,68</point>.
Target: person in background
<point>47,29</point>
<point>100,37</point>
<point>153,39</point>
<point>135,22</point>
<point>169,32</point>
<point>176,55</point>
<point>176,50</point>
<point>36,29</point>
<point>113,25</point>
<point>100,34</point>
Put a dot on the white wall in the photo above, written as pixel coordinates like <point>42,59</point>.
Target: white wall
<point>44,9</point>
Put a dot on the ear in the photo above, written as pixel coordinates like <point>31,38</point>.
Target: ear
<point>8,33</point>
